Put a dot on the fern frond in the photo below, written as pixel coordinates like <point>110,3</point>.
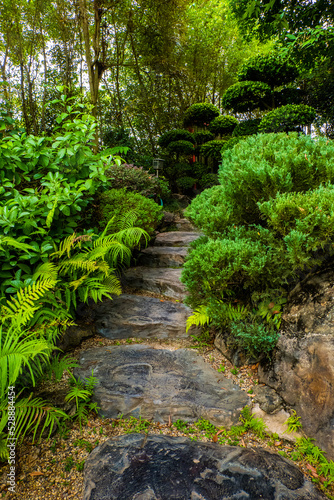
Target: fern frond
<point>20,309</point>
<point>15,243</point>
<point>81,262</point>
<point>47,270</point>
<point>95,289</point>
<point>50,215</point>
<point>35,415</point>
<point>18,351</point>
<point>199,317</point>
<point>65,246</point>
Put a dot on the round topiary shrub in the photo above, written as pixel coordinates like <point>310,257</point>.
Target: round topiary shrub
<point>200,114</point>
<point>223,125</point>
<point>175,135</point>
<point>270,69</point>
<point>203,136</point>
<point>291,117</point>
<point>247,127</point>
<point>117,202</point>
<point>185,183</point>
<point>289,95</point>
<point>181,147</point>
<point>246,96</point>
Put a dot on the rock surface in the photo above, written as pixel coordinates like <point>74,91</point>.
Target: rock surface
<point>160,384</point>
<point>164,281</point>
<point>137,467</point>
<point>302,370</point>
<point>162,256</point>
<point>175,239</point>
<point>139,316</point>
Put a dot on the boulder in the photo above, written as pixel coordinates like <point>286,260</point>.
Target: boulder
<point>162,280</point>
<point>302,368</point>
<point>160,384</point>
<point>140,316</point>
<point>141,467</point>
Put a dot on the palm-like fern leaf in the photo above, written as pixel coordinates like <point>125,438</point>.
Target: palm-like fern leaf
<point>199,317</point>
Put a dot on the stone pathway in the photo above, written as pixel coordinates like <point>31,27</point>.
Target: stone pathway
<point>165,385</point>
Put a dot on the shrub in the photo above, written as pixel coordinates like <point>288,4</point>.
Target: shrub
<point>116,202</point>
<point>181,147</point>
<point>288,95</point>
<point>247,127</point>
<point>254,337</point>
<point>287,118</point>
<point>271,69</point>
<point>246,96</point>
<point>186,183</point>
<point>200,114</point>
<point>203,136</point>
<point>212,149</point>
<point>175,135</point>
<point>270,221</point>
<point>223,125</point>
<point>231,143</point>
<point>136,179</point>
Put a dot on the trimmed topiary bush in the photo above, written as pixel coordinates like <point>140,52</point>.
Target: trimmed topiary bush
<point>271,69</point>
<point>287,118</point>
<point>245,96</point>
<point>117,202</point>
<point>186,183</point>
<point>202,137</point>
<point>247,127</point>
<point>288,95</point>
<point>181,147</point>
<point>200,114</point>
<point>223,125</point>
<point>175,135</point>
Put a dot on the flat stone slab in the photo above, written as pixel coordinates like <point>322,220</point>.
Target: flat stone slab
<point>137,467</point>
<point>162,280</point>
<point>159,384</point>
<point>176,238</point>
<point>162,256</point>
<point>140,316</point>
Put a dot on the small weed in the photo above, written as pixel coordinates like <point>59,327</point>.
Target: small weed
<point>101,431</point>
<point>82,443</point>
<point>283,453</point>
<point>221,369</point>
<point>250,391</point>
<point>234,371</point>
<point>129,341</point>
<point>294,424</point>
<point>69,462</point>
<point>53,447</point>
<point>201,340</point>
<point>80,466</point>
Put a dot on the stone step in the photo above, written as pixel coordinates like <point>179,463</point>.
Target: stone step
<point>162,256</point>
<point>140,316</point>
<point>162,280</point>
<point>184,225</point>
<point>176,238</point>
<point>160,384</point>
<point>151,467</point>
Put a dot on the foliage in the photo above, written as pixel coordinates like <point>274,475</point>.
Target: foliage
<point>136,179</point>
<point>287,118</point>
<point>270,68</point>
<point>268,222</point>
<point>254,337</point>
<point>115,202</point>
<point>200,114</point>
<point>250,422</point>
<point>175,135</point>
<point>198,318</point>
<point>223,125</point>
<point>288,95</point>
<point>247,96</point>
<point>212,149</point>
<point>247,127</point>
<point>185,183</point>
<point>293,422</point>
<point>82,392</point>
<point>181,148</point>
<point>203,136</point>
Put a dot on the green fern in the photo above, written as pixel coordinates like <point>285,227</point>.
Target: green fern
<point>199,317</point>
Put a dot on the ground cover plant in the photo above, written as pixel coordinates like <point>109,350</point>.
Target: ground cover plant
<point>268,223</point>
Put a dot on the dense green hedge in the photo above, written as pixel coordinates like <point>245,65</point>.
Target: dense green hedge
<point>175,135</point>
<point>270,219</point>
<point>247,127</point>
